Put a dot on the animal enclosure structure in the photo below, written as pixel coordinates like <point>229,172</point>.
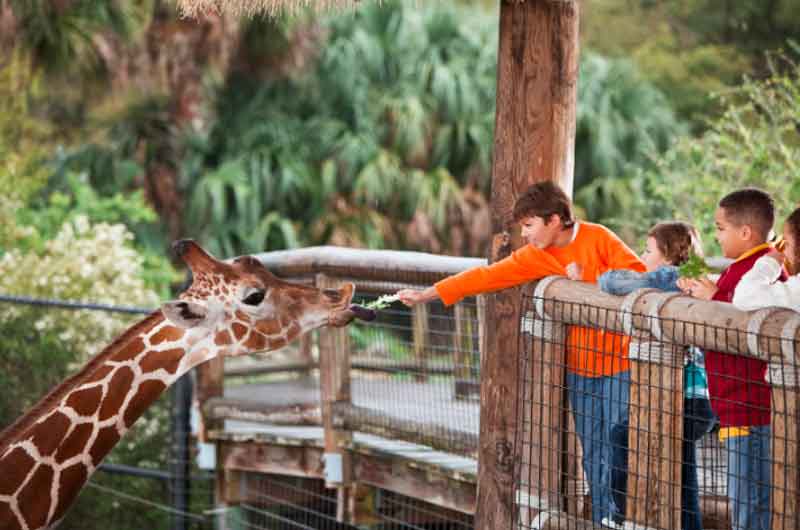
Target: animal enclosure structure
<point>386,414</point>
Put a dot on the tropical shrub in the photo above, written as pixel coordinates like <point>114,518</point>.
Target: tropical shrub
<point>756,142</point>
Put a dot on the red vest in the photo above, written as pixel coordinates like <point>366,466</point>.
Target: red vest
<point>740,396</point>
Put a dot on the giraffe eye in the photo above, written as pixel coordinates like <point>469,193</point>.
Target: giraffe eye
<point>254,298</point>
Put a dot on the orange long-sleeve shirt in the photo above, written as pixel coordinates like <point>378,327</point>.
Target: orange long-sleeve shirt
<point>590,352</point>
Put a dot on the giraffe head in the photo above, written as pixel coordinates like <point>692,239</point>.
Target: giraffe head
<point>244,308</point>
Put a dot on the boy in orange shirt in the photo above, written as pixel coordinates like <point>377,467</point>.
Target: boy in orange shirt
<point>598,379</point>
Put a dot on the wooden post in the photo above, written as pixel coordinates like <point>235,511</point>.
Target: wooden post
<point>655,434</point>
<point>534,141</point>
<point>334,366</point>
<point>421,337</point>
<point>785,450</point>
<point>209,383</point>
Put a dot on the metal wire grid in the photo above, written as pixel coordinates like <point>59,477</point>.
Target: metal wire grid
<point>416,374</point>
<point>278,502</point>
<point>639,463</point>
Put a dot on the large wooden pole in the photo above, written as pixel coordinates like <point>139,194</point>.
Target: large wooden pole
<point>534,141</point>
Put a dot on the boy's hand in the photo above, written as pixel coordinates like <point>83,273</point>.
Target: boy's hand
<point>575,271</point>
<point>412,297</point>
<point>701,288</point>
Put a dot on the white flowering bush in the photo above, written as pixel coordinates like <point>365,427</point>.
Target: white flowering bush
<point>93,263</point>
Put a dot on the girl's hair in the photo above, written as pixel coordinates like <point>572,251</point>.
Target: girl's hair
<point>793,225</point>
<point>677,241</point>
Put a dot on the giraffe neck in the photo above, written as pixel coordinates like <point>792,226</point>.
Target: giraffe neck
<point>50,453</point>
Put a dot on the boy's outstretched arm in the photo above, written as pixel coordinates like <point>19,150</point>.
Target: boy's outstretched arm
<point>412,297</point>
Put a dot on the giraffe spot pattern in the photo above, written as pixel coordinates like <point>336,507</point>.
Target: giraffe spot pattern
<point>256,341</point>
<point>69,485</point>
<point>86,401</point>
<point>8,521</point>
<point>130,351</point>
<point>16,465</point>
<point>223,338</point>
<point>147,393</point>
<point>34,503</point>
<point>118,388</point>
<point>269,327</point>
<point>48,435</point>
<point>100,373</point>
<point>244,317</point>
<point>106,439</point>
<point>75,443</point>
<point>239,330</point>
<point>167,359</point>
<point>166,334</point>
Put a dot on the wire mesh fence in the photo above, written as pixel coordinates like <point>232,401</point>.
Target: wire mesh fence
<point>645,428</point>
<point>276,502</point>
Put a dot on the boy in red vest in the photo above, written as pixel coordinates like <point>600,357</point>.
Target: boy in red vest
<point>598,377</point>
<point>740,395</point>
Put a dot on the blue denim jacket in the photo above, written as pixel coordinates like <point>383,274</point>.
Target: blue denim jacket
<point>620,282</point>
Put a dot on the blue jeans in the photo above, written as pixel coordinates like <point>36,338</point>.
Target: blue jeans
<point>698,420</point>
<point>749,479</point>
<point>598,403</point>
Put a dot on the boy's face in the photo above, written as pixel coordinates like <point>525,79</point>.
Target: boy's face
<point>734,240</point>
<point>538,233</point>
<point>652,256</point>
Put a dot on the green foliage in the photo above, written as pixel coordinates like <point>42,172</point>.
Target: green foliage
<point>694,267</point>
<point>692,48</point>
<point>60,35</point>
<point>755,142</point>
<point>622,119</point>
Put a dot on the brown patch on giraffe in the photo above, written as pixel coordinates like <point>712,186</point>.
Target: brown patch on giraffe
<point>100,373</point>
<point>244,317</point>
<point>167,359</point>
<point>34,498</point>
<point>48,435</point>
<point>118,388</point>
<point>167,333</point>
<point>107,438</point>
<point>85,402</point>
<point>69,485</point>
<point>223,338</point>
<point>147,393</point>
<point>16,465</point>
<point>239,330</point>
<point>8,521</point>
<point>274,344</point>
<point>130,351</point>
<point>286,320</point>
<point>76,442</point>
<point>256,341</point>
<point>269,327</point>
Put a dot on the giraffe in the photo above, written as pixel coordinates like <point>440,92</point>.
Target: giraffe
<point>230,309</point>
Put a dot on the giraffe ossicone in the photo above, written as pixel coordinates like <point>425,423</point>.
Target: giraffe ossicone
<point>231,308</point>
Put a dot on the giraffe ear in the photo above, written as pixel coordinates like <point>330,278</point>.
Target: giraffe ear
<point>184,314</point>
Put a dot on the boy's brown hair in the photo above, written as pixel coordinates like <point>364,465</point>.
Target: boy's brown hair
<point>750,206</point>
<point>544,199</point>
<point>677,241</point>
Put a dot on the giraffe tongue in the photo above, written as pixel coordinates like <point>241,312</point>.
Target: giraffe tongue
<point>362,312</point>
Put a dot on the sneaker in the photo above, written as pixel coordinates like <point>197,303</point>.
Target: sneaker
<point>610,523</point>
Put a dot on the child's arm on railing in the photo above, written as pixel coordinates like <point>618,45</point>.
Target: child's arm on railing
<point>621,282</point>
<point>759,286</point>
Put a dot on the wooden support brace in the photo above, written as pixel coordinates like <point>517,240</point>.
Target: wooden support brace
<point>334,352</point>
